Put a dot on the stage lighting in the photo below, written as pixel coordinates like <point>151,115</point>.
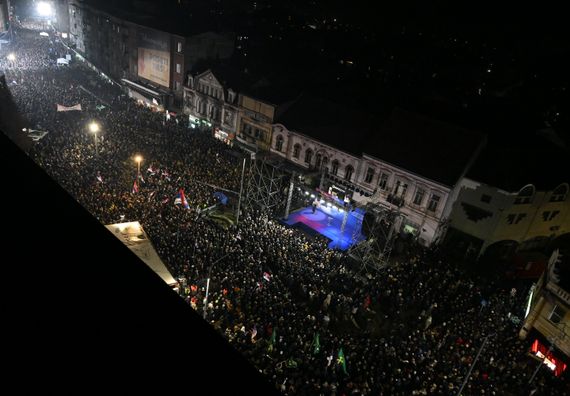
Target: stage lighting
<point>44,9</point>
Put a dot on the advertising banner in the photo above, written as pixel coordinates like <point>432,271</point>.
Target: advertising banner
<point>154,56</point>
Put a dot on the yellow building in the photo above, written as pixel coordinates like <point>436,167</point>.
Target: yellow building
<point>547,316</point>
<point>255,122</point>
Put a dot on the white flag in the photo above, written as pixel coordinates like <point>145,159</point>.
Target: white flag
<point>65,108</point>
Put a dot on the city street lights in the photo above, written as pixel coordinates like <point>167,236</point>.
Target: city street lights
<point>208,282</point>
<point>12,58</point>
<point>138,160</point>
<point>94,128</point>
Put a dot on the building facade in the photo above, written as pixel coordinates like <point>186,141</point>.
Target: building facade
<point>485,218</point>
<point>422,202</point>
<point>255,122</point>
<point>548,306</point>
<point>209,103</point>
<point>152,64</point>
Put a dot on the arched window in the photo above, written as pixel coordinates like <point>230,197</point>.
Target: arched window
<point>348,171</point>
<point>318,160</point>
<point>308,156</point>
<point>334,169</point>
<point>525,195</point>
<point>559,194</point>
<point>279,143</point>
<point>296,151</point>
<point>325,161</point>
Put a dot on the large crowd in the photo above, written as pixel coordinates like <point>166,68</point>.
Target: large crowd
<point>297,310</point>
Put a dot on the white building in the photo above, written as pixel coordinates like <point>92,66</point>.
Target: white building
<point>209,102</point>
<point>388,162</point>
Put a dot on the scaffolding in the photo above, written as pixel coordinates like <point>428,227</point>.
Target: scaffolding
<point>267,186</point>
<point>374,252</point>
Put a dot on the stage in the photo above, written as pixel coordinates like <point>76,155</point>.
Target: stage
<point>327,221</point>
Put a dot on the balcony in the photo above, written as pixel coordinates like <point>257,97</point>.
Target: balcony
<point>395,200</point>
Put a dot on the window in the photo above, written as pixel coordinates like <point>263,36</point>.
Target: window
<point>559,194</point>
<point>279,143</point>
<point>433,202</point>
<point>419,197</point>
<point>256,132</point>
<point>548,215</point>
<point>486,198</point>
<point>308,156</point>
<point>334,169</point>
<point>557,314</point>
<point>525,195</point>
<point>176,85</point>
<point>179,47</point>
<point>296,151</point>
<point>511,218</point>
<point>383,181</point>
<point>369,176</point>
<point>518,218</point>
<point>178,68</point>
<point>349,170</point>
<point>400,188</point>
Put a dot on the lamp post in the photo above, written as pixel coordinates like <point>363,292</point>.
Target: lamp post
<point>208,283</point>
<point>94,128</point>
<point>138,160</point>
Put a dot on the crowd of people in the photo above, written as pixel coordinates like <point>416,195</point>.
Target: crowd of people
<point>298,311</point>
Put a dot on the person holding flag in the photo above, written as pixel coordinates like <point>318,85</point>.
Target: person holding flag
<point>341,360</point>
<point>316,344</point>
<point>272,341</point>
<point>181,199</point>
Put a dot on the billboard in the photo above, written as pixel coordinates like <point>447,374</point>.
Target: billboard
<point>154,56</point>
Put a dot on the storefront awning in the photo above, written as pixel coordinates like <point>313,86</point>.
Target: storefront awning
<point>144,89</point>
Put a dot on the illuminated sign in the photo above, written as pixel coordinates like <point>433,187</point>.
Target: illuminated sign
<point>544,354</point>
<point>154,56</point>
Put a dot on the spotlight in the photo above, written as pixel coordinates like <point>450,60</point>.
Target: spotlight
<point>44,9</point>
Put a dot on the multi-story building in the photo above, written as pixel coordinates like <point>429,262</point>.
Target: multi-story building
<point>151,61</point>
<point>547,315</point>
<point>4,15</point>
<point>209,100</point>
<point>410,163</point>
<point>513,201</point>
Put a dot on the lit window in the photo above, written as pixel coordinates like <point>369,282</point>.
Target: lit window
<point>179,47</point>
<point>178,68</point>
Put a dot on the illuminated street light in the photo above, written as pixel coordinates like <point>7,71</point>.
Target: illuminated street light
<point>11,57</point>
<point>138,160</point>
<point>44,9</point>
<point>94,128</point>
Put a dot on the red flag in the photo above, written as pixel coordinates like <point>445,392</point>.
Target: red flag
<point>135,187</point>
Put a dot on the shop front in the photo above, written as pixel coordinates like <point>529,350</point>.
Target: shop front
<point>145,96</point>
<point>224,136</point>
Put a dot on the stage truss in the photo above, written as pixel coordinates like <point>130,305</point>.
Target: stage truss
<point>266,186</point>
<point>374,252</point>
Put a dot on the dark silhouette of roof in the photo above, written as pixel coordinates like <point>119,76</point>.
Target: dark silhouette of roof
<point>511,167</point>
<point>84,310</point>
<point>331,123</point>
<point>433,149</point>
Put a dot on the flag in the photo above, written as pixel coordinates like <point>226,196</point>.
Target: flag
<point>341,360</point>
<point>99,178</point>
<point>267,276</point>
<point>272,340</point>
<point>316,344</point>
<point>141,177</point>
<point>70,108</point>
<point>253,333</point>
<point>151,171</point>
<point>135,187</point>
<point>184,201</point>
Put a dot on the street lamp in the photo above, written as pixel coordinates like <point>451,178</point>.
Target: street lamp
<point>44,9</point>
<point>94,128</point>
<point>138,160</point>
<point>208,282</point>
<point>12,58</point>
